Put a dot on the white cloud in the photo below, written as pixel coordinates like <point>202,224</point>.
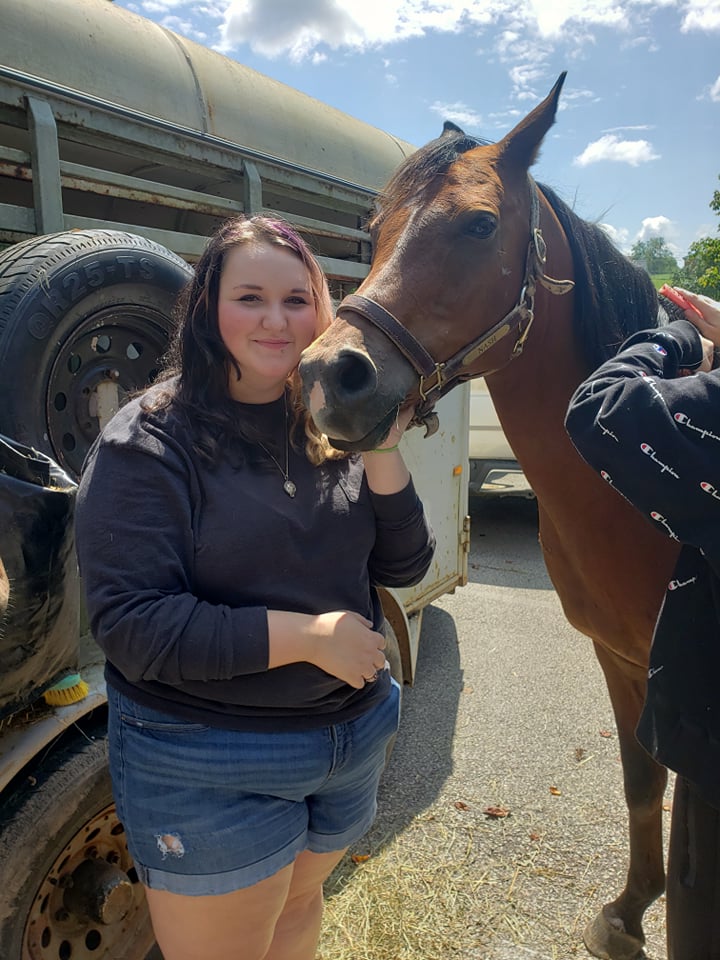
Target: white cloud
<point>702,15</point>
<point>611,148</point>
<point>460,113</point>
<point>714,91</point>
<point>661,227</point>
<point>551,16</point>
<point>637,126</point>
<point>528,27</point>
<point>656,227</point>
<point>619,236</point>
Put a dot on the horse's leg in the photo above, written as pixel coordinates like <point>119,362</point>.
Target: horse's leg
<point>617,933</point>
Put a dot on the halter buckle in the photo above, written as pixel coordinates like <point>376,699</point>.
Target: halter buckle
<point>432,382</point>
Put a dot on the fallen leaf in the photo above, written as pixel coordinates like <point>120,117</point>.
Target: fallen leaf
<point>667,806</point>
<point>555,791</point>
<point>459,805</point>
<point>497,813</point>
<point>360,857</point>
<point>579,753</point>
<point>606,733</point>
<point>534,836</point>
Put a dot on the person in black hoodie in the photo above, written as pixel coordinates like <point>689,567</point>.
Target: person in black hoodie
<point>648,421</point>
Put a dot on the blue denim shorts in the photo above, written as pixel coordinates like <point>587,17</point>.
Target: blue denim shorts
<point>209,811</point>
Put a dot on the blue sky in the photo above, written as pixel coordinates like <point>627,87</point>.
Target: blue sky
<point>636,145</point>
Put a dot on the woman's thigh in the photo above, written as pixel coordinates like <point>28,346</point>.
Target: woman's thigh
<point>232,926</point>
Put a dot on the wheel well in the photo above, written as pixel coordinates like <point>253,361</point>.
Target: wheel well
<point>395,615</point>
<point>87,727</point>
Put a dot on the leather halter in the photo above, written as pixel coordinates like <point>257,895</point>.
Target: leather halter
<point>436,378</point>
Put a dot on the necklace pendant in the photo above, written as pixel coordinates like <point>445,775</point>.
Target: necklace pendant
<point>290,488</point>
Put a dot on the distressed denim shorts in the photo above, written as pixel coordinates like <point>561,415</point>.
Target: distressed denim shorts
<point>209,811</point>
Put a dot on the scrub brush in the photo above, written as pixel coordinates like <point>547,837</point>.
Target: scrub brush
<point>69,690</point>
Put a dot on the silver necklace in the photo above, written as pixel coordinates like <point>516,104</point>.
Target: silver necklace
<point>288,486</point>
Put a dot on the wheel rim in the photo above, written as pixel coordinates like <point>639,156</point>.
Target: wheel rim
<point>52,932</point>
<point>110,355</point>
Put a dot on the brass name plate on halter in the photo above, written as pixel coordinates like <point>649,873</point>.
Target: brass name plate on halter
<point>486,344</point>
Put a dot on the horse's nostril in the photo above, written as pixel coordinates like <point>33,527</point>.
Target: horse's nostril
<point>355,374</point>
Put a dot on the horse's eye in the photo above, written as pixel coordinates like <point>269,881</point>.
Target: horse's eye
<point>482,226</point>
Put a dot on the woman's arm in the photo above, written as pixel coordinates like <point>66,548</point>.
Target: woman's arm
<point>654,433</point>
<point>135,544</point>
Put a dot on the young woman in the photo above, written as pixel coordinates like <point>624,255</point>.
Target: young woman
<point>228,555</point>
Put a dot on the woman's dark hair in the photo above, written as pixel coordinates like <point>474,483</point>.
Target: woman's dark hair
<point>198,365</point>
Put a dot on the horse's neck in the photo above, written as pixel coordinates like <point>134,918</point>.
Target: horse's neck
<point>532,392</point>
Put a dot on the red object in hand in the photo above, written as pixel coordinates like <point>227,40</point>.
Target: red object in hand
<point>672,294</point>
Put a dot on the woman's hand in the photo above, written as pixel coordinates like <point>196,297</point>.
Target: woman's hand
<point>397,430</point>
<point>348,648</point>
<point>341,643</point>
<point>384,466</point>
<point>709,324</point>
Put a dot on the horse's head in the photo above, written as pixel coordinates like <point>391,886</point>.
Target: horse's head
<point>452,240</point>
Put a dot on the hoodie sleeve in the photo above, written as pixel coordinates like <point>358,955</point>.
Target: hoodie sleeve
<point>135,544</point>
<point>655,435</point>
<point>404,541</point>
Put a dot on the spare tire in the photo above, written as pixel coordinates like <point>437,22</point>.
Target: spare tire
<point>85,317</point>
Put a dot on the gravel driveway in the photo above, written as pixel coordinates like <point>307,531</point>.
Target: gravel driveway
<point>510,711</point>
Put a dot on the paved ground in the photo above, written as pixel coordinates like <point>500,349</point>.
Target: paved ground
<point>510,709</point>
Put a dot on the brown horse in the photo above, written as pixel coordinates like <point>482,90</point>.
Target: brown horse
<point>466,247</point>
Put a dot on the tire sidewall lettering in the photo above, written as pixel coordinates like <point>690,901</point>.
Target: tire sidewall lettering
<point>77,280</point>
<point>40,324</point>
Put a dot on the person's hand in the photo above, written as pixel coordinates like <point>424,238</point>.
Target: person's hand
<point>709,325</point>
<point>708,357</point>
<point>347,647</point>
<point>398,428</point>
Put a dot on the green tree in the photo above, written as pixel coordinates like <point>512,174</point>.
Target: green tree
<point>655,254</point>
<point>715,202</point>
<point>701,269</point>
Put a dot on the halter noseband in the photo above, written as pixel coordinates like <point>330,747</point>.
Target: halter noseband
<point>436,379</point>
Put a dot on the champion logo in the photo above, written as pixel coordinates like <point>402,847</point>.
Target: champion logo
<point>653,670</point>
<point>709,488</point>
<point>658,349</point>
<point>684,420</point>
<point>606,476</point>
<point>607,433</point>
<point>677,584</point>
<point>664,467</point>
<point>652,383</point>
<point>659,518</point>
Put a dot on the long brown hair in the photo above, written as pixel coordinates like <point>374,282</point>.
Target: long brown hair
<point>198,361</point>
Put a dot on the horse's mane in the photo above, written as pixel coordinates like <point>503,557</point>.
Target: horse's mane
<point>613,297</point>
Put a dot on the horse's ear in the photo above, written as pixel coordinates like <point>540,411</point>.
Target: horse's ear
<point>451,129</point>
<point>523,142</point>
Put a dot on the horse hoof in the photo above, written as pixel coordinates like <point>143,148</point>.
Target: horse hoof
<point>606,938</point>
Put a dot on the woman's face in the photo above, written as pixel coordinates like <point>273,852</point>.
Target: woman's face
<point>266,317</point>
